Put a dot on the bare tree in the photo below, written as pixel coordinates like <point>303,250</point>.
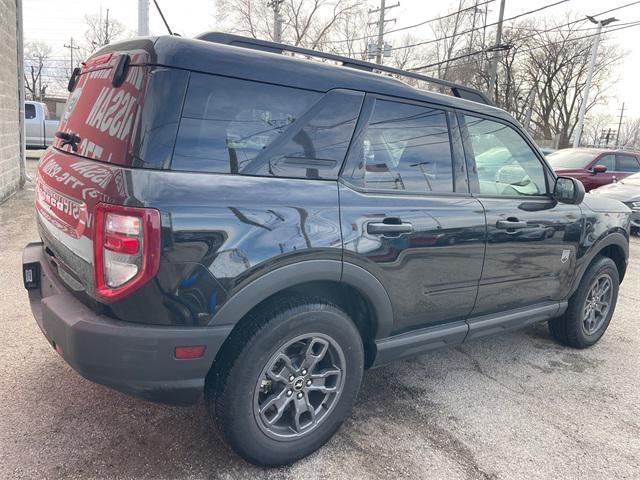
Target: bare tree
<point>559,62</point>
<point>101,31</point>
<point>594,125</point>
<point>350,36</point>
<point>451,34</point>
<point>630,134</point>
<point>307,23</point>
<point>36,56</point>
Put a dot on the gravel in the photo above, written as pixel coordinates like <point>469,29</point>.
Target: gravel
<point>512,406</point>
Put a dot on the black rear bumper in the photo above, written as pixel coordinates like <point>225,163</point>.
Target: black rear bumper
<point>135,359</point>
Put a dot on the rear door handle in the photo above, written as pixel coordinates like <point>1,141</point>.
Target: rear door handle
<point>389,228</point>
<point>510,224</point>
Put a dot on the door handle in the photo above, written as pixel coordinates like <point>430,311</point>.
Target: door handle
<point>389,228</point>
<point>510,224</point>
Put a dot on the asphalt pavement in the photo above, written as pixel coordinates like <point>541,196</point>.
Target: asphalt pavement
<point>512,406</point>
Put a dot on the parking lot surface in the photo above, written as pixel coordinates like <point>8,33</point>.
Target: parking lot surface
<point>512,406</point>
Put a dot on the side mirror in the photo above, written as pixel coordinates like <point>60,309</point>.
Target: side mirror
<point>568,190</point>
<point>599,169</point>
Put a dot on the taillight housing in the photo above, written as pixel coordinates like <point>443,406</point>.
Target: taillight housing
<point>126,249</point>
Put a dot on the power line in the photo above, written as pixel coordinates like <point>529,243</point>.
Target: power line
<point>425,22</point>
<point>427,42</point>
<point>630,25</point>
<point>544,7</point>
<point>619,27</point>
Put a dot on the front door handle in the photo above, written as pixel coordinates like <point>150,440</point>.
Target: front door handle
<point>510,224</point>
<point>389,228</point>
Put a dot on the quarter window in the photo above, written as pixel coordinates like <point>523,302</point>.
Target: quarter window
<point>227,122</point>
<point>404,147</point>
<point>316,146</point>
<point>505,163</point>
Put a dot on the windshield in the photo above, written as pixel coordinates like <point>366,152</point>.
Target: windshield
<point>570,159</point>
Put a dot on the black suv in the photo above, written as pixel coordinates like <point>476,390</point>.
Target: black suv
<point>219,215</point>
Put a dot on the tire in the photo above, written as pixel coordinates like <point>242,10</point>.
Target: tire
<point>581,326</point>
<point>247,380</point>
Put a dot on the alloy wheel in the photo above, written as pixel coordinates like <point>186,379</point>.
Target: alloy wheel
<point>299,386</point>
<point>597,304</point>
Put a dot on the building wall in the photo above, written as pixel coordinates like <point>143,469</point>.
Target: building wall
<point>9,111</point>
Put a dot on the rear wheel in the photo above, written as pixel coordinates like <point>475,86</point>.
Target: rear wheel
<point>590,308</point>
<point>287,379</point>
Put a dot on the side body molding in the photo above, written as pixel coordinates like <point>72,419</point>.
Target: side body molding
<point>307,271</point>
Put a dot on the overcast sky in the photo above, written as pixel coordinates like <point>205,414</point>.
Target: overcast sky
<point>55,21</point>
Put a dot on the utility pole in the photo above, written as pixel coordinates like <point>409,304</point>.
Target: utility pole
<point>71,48</point>
<point>531,98</point>
<point>620,126</point>
<point>106,29</point>
<point>493,66</point>
<point>381,21</point>
<point>592,64</point>
<point>40,79</point>
<point>277,20</point>
<point>143,18</point>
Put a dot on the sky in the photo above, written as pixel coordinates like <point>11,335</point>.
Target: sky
<point>55,21</point>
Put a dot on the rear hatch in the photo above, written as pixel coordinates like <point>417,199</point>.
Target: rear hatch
<point>104,133</point>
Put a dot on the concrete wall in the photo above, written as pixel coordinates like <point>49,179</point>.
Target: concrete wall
<point>9,112</point>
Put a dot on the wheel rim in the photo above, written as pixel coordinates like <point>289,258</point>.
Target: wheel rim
<point>299,386</point>
<point>597,304</point>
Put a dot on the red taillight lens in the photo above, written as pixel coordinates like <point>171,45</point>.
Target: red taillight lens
<point>126,247</point>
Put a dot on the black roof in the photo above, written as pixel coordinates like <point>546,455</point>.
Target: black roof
<point>253,64</point>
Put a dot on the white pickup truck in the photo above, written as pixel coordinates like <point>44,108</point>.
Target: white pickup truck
<point>40,130</point>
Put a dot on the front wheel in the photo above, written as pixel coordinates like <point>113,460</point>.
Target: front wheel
<point>287,379</point>
<point>590,308</point>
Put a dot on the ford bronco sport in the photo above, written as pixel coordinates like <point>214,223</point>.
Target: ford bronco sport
<point>219,215</point>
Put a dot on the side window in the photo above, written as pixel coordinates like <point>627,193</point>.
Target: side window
<point>626,163</point>
<point>404,147</point>
<point>505,163</point>
<point>29,111</point>
<point>608,161</point>
<point>316,146</point>
<point>227,122</point>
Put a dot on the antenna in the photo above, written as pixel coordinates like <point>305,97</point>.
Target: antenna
<point>162,16</point>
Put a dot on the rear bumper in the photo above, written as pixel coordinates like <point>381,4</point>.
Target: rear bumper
<point>135,359</point>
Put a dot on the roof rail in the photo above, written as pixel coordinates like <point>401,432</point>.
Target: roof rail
<point>457,90</point>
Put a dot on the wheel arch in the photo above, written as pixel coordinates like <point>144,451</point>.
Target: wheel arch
<point>614,246</point>
<point>352,288</point>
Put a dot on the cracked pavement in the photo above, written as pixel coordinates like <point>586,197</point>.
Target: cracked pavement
<point>512,406</point>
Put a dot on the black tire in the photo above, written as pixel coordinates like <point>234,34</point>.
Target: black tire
<point>571,328</point>
<point>240,379</point>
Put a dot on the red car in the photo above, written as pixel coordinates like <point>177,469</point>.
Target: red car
<point>594,167</point>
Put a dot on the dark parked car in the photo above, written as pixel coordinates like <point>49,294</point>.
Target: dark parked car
<point>594,167</point>
<point>628,192</point>
<point>215,217</point>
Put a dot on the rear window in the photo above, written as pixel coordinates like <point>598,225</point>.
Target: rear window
<point>238,126</point>
<point>133,124</point>
<point>104,116</point>
<point>29,111</point>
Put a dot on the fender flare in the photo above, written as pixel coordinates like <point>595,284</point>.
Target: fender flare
<point>614,238</point>
<point>307,271</point>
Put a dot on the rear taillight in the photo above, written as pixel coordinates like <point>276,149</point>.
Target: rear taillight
<point>126,249</point>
